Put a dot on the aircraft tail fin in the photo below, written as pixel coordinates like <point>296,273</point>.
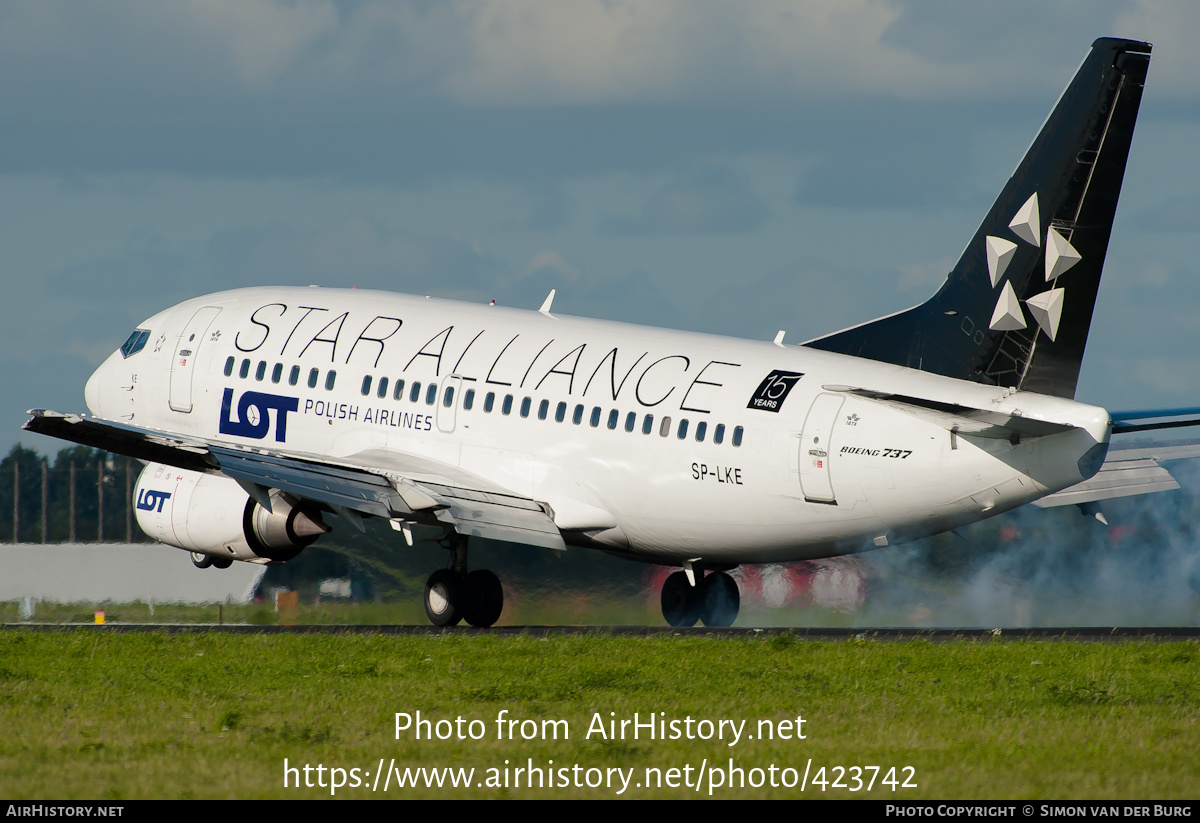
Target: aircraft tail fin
<point>1016,309</point>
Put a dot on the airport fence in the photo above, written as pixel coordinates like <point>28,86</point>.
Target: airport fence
<point>81,495</point>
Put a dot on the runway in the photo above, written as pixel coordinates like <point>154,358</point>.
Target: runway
<point>946,634</point>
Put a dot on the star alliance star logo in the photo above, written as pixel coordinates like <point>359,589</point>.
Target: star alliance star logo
<point>1046,307</point>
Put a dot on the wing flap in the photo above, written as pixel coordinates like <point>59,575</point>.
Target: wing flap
<point>354,490</point>
<point>1124,478</point>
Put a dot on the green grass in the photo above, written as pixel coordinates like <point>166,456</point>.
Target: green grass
<point>92,715</point>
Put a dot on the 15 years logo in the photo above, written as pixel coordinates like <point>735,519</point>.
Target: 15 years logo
<point>774,390</point>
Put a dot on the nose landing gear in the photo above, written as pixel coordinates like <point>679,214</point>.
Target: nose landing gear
<point>714,600</point>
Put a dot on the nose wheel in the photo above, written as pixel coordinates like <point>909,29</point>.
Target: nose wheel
<point>714,600</point>
<point>453,595</point>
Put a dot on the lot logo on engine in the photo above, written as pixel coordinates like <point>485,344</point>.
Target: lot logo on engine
<point>253,420</point>
<point>151,500</point>
<point>774,390</point>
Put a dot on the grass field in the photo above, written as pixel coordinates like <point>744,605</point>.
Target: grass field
<point>105,716</point>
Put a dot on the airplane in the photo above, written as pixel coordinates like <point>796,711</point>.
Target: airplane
<point>264,413</point>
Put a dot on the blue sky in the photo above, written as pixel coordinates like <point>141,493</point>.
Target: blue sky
<point>736,168</point>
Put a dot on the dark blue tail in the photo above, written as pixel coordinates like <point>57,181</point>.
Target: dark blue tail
<point>1016,309</point>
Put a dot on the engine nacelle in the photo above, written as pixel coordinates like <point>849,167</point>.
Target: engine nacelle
<point>212,514</point>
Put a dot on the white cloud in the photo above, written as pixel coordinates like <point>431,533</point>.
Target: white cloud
<point>554,52</point>
<point>550,261</point>
<point>262,39</point>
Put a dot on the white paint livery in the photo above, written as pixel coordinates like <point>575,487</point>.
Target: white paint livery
<point>846,460</point>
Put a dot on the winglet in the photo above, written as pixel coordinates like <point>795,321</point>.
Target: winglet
<point>545,309</point>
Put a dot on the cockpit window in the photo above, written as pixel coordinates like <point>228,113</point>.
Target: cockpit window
<point>135,343</point>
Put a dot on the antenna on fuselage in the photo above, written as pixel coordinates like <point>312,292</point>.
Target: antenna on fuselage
<point>545,309</point>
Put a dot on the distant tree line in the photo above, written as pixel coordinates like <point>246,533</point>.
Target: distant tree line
<point>82,495</point>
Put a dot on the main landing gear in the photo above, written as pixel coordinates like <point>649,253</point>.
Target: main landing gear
<point>714,600</point>
<point>452,594</point>
<point>202,561</point>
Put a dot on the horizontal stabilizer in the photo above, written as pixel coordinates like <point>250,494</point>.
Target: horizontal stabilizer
<point>1127,471</point>
<point>962,419</point>
<point>1151,419</point>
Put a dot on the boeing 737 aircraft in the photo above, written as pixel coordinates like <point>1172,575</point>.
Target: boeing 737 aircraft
<point>265,414</point>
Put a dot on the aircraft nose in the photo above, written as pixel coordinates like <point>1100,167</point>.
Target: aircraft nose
<point>98,386</point>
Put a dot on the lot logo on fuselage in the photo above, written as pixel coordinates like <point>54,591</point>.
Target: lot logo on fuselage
<point>774,390</point>
<point>151,500</point>
<point>253,420</point>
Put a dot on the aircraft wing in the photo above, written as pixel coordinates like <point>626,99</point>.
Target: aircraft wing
<point>1127,471</point>
<point>378,483</point>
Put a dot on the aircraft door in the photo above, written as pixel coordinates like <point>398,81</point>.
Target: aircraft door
<point>816,449</point>
<point>447,404</point>
<point>184,361</point>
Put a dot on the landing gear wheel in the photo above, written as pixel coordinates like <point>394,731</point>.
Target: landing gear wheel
<point>719,600</point>
<point>485,599</point>
<point>222,562</point>
<point>444,598</point>
<point>680,601</point>
<point>201,560</point>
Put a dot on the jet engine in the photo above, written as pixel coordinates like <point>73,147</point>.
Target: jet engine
<point>213,515</point>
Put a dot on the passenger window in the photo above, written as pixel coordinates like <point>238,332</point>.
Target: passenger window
<point>701,428</point>
<point>595,419</point>
<point>415,393</point>
<point>560,412</point>
<point>577,415</point>
<point>507,407</point>
<point>525,404</point>
<point>665,428</point>
<point>244,371</point>
<point>543,409</point>
<point>313,374</point>
<point>719,434</point>
<point>277,373</point>
<point>448,397</point>
<point>648,424</point>
<point>398,392</point>
<point>261,371</point>
<point>489,402</point>
<point>683,428</point>
<point>630,421</point>
<point>737,436</point>
<point>431,394</point>
<point>469,399</point>
<point>366,386</point>
<point>329,378</point>
<point>382,391</point>
<point>229,366</point>
<point>613,417</point>
<point>294,376</point>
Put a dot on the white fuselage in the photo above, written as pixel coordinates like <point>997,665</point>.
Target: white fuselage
<point>803,468</point>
